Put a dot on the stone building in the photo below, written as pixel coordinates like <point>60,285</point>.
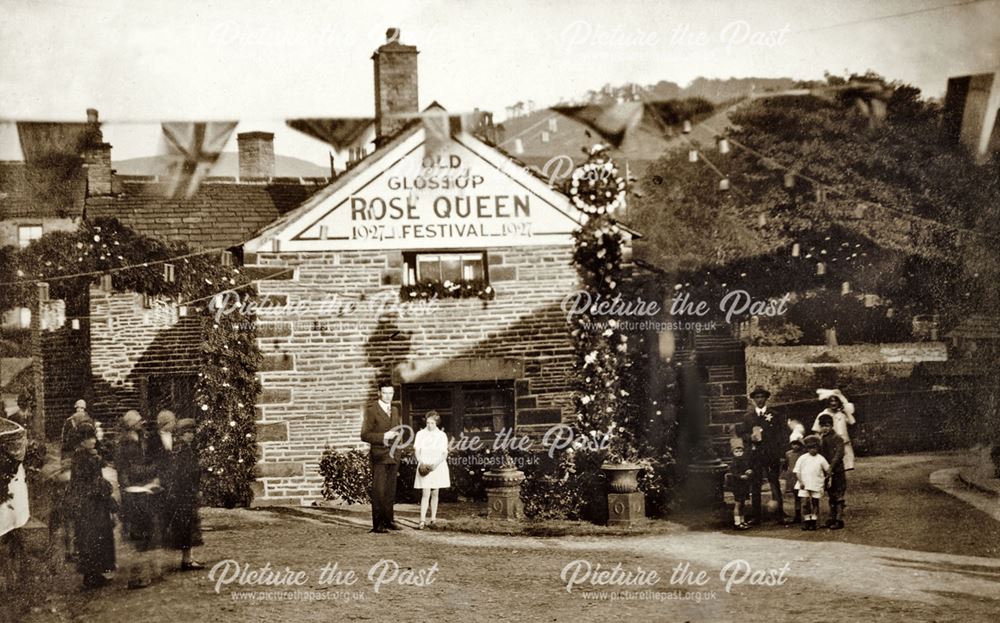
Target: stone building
<point>458,211</point>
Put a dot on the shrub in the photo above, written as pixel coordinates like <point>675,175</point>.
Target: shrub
<point>346,475</point>
<point>405,476</point>
<point>467,470</point>
<point>658,481</point>
<point>569,486</point>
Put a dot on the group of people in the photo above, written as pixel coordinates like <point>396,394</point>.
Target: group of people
<point>430,448</point>
<point>158,481</point>
<point>767,445</point>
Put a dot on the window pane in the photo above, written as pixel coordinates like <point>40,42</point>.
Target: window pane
<point>451,267</point>
<point>428,267</point>
<point>27,233</point>
<point>472,267</point>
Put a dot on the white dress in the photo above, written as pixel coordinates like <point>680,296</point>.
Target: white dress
<point>431,447</point>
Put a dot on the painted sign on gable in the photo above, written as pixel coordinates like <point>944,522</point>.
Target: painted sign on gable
<point>462,194</point>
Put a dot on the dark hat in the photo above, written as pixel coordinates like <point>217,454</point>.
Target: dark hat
<point>86,430</point>
<point>812,441</point>
<point>760,391</point>
<point>825,418</point>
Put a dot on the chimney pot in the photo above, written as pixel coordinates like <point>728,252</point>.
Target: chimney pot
<point>392,35</point>
<point>256,154</point>
<point>92,115</point>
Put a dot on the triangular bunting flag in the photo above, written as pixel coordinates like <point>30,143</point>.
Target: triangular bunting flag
<point>41,142</point>
<point>339,133</point>
<point>612,122</point>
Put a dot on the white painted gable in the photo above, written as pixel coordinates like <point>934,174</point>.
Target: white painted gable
<point>466,194</point>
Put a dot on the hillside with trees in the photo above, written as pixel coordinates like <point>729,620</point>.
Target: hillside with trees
<point>858,214</point>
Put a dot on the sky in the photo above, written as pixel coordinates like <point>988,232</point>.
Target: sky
<point>260,62</point>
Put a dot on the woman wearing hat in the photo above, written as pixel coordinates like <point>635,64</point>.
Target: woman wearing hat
<point>137,480</point>
<point>842,412</point>
<point>183,528</point>
<point>93,506</point>
<point>70,432</point>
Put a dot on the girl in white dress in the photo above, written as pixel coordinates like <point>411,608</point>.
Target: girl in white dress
<point>842,413</point>
<point>431,450</point>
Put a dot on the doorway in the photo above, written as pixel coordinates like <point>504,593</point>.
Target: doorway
<point>480,409</point>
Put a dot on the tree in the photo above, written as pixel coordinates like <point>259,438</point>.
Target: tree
<point>903,196</point>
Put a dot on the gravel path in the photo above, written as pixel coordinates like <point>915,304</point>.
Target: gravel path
<point>867,572</point>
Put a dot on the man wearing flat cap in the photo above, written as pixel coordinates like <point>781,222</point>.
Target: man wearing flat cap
<point>766,434</point>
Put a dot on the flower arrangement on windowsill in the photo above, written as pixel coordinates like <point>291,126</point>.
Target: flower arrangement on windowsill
<point>436,289</point>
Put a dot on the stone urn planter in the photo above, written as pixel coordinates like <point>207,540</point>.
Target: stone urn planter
<point>626,504</point>
<point>503,492</point>
<point>622,477</point>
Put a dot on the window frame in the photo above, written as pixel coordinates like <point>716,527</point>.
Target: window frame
<point>28,226</point>
<point>411,265</point>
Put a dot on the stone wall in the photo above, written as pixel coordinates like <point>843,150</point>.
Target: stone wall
<point>131,341</point>
<point>66,376</point>
<point>911,420</point>
<point>9,226</point>
<point>321,366</point>
<point>794,373</point>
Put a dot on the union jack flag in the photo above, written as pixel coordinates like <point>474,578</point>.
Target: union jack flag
<point>192,150</point>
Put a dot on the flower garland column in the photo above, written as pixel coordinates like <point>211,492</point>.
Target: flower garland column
<point>602,353</point>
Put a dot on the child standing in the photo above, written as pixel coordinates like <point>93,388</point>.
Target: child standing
<point>832,448</point>
<point>431,449</point>
<point>183,525</point>
<point>93,508</point>
<point>811,470</point>
<point>740,484</point>
<point>795,450</point>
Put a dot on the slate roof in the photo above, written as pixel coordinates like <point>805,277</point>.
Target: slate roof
<point>977,327</point>
<point>222,214</point>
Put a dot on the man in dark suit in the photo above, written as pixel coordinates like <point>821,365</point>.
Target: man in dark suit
<point>766,434</point>
<point>381,417</point>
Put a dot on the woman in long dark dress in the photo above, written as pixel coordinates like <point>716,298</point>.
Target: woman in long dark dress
<point>139,489</point>
<point>94,507</point>
<point>183,524</point>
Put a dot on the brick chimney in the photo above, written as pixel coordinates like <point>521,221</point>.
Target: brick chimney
<point>256,154</point>
<point>97,158</point>
<point>395,84</point>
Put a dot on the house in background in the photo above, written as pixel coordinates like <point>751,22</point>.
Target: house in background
<point>122,348</point>
<point>972,112</point>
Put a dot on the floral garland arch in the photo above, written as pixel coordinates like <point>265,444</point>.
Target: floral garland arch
<point>596,187</point>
